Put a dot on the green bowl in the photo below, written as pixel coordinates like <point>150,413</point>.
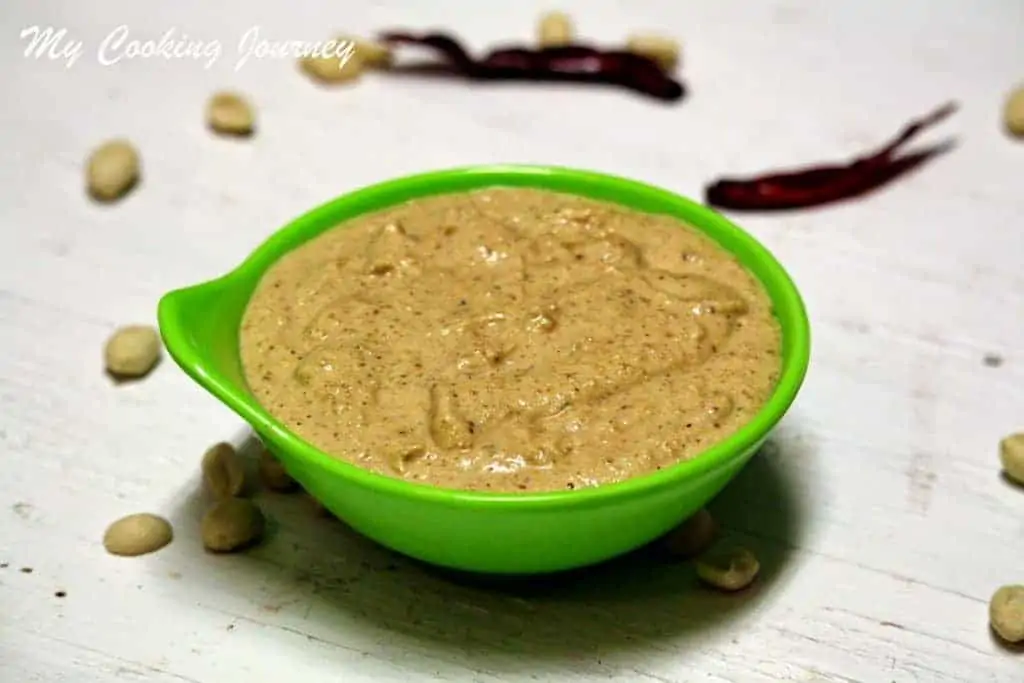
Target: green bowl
<point>492,533</point>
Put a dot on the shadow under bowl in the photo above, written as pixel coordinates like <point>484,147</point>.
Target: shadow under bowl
<point>494,533</point>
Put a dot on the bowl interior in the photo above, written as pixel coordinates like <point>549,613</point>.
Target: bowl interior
<point>200,324</point>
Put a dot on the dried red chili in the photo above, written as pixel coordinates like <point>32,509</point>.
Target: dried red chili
<point>818,185</point>
<point>574,63</point>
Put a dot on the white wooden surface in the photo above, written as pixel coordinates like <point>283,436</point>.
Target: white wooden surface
<point>879,511</point>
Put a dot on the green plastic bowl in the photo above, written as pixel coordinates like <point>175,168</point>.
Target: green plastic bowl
<point>485,532</point>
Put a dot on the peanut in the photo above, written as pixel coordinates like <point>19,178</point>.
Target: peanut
<point>1013,112</point>
<point>137,534</point>
<point>342,64</point>
<point>223,472</point>
<point>1006,613</point>
<point>730,569</point>
<point>554,29</point>
<point>274,475</point>
<point>231,114</point>
<point>231,524</point>
<point>1011,455</point>
<point>692,537</point>
<point>661,49</point>
<point>112,170</point>
<point>132,351</point>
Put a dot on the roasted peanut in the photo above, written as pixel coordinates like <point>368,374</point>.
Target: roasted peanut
<point>232,524</point>
<point>112,170</point>
<point>692,537</point>
<point>231,114</point>
<point>132,351</point>
<point>730,569</point>
<point>661,49</point>
<point>223,473</point>
<point>1013,112</point>
<point>1006,613</point>
<point>137,534</point>
<point>554,29</point>
<point>1011,455</point>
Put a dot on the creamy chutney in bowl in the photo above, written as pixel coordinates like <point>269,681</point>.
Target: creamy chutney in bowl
<point>511,339</point>
<point>506,369</point>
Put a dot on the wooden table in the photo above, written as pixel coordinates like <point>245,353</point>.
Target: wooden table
<point>878,511</point>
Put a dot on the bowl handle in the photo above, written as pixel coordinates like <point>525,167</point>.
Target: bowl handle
<point>199,326</point>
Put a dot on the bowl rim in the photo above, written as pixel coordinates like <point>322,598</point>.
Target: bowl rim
<point>788,303</point>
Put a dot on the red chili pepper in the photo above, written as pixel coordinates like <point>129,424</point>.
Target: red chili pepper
<point>575,63</point>
<point>818,185</point>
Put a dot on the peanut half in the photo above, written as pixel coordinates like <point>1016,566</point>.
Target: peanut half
<point>137,534</point>
<point>730,569</point>
<point>223,472</point>
<point>692,537</point>
<point>1006,613</point>
<point>554,29</point>
<point>112,170</point>
<point>1011,455</point>
<point>340,62</point>
<point>132,351</point>
<point>229,113</point>
<point>1013,112</point>
<point>661,49</point>
<point>274,475</point>
<point>232,524</point>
